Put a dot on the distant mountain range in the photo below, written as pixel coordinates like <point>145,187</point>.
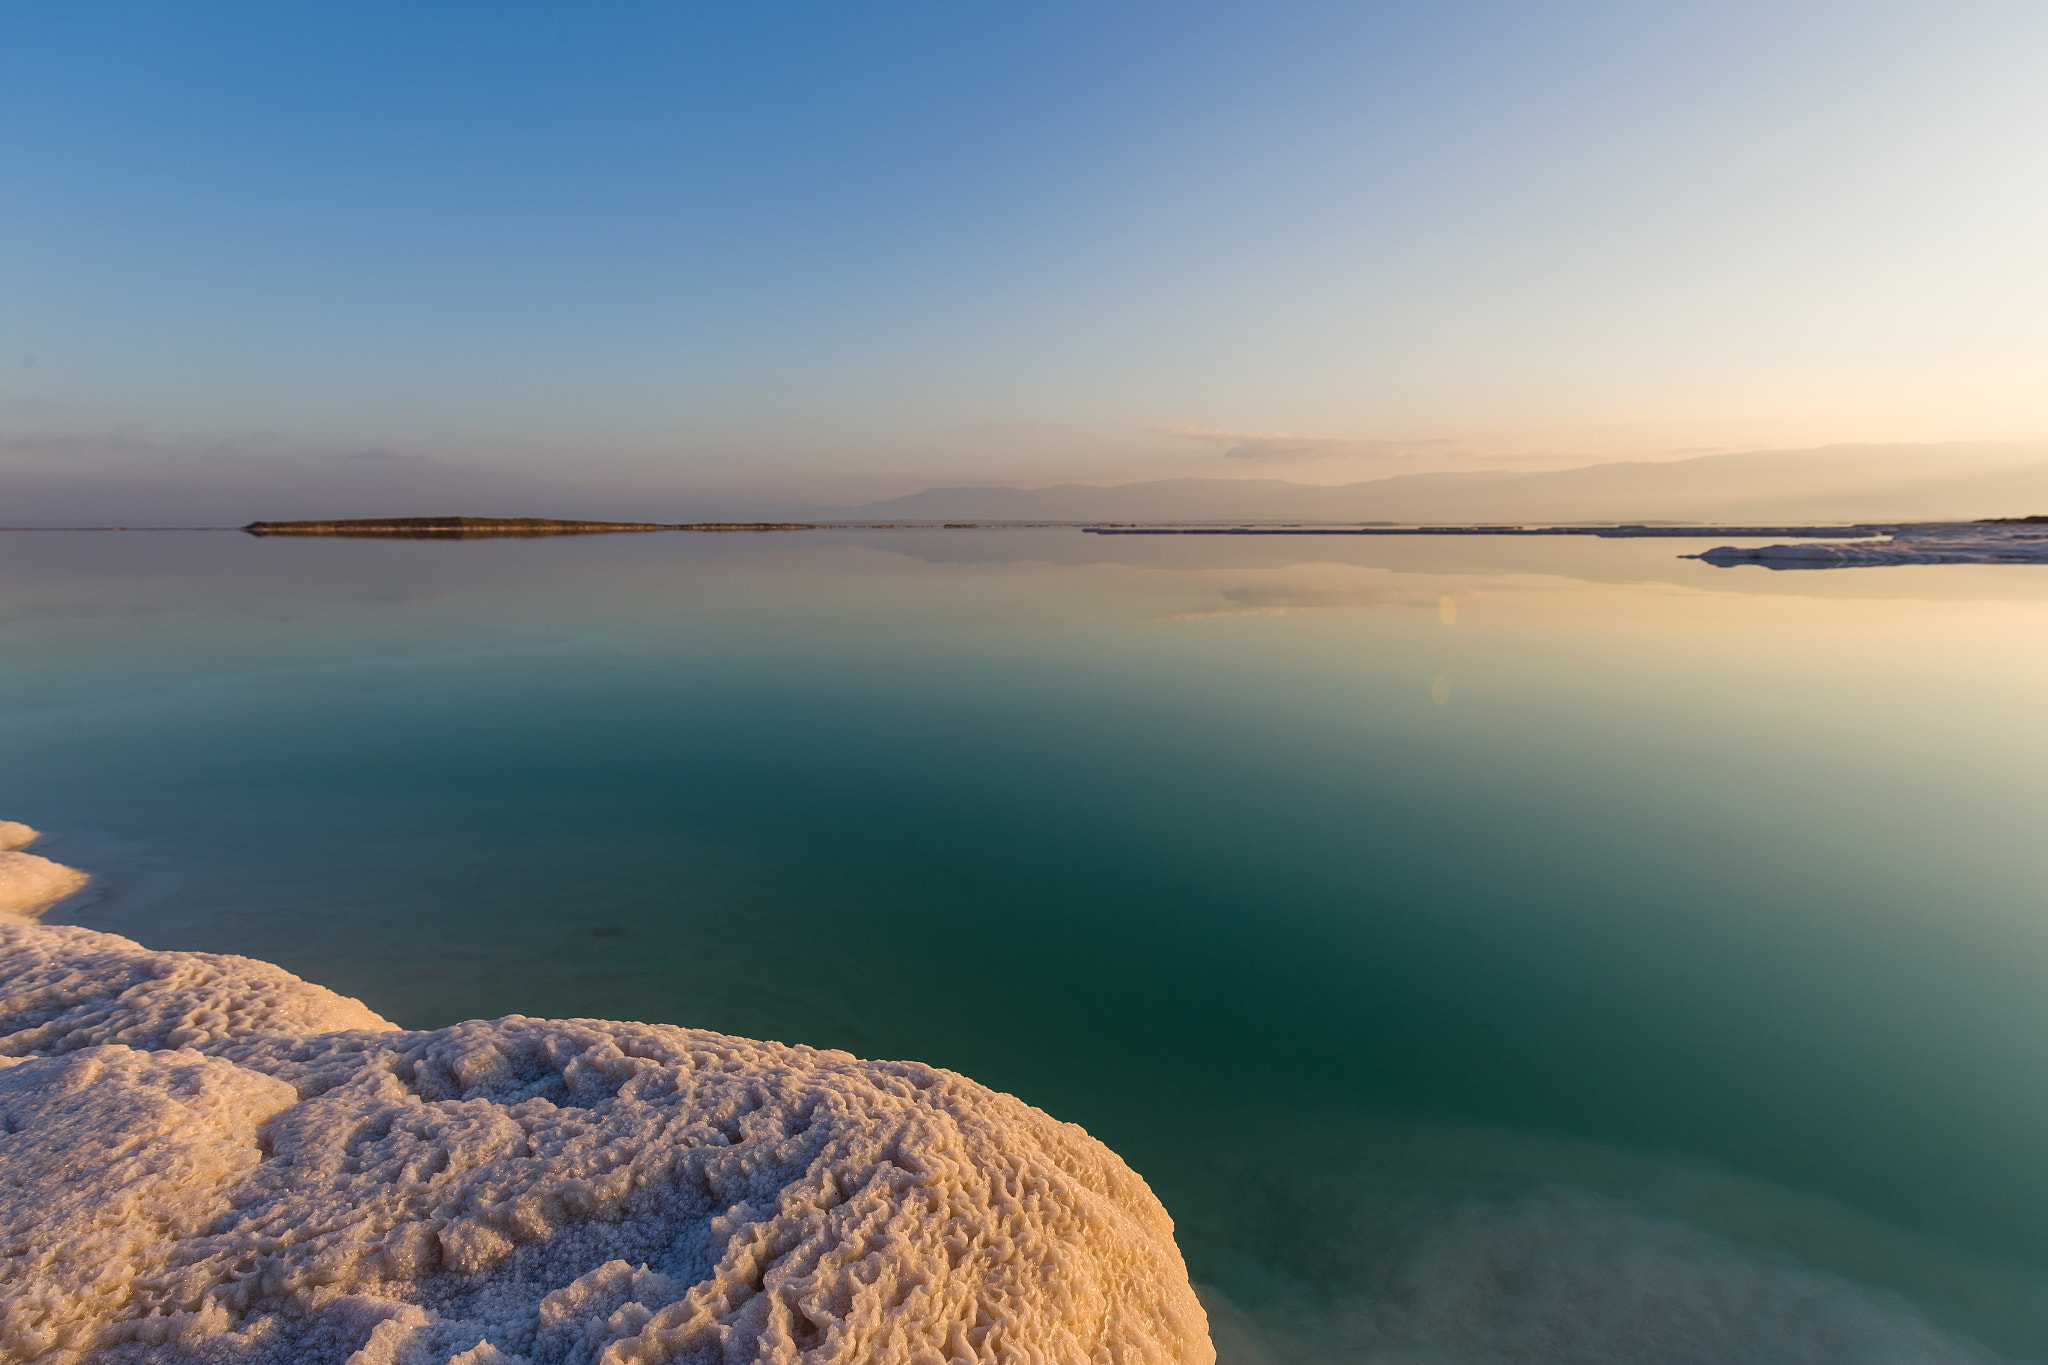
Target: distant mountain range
<point>1831,483</point>
<point>1859,482</point>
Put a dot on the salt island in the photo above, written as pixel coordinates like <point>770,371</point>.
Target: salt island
<point>2012,540</point>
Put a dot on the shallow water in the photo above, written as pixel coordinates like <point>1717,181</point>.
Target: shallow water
<point>1488,949</point>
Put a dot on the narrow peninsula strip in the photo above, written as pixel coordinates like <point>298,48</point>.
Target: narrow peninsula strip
<point>457,528</point>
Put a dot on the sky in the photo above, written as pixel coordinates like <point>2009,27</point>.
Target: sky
<point>291,258</point>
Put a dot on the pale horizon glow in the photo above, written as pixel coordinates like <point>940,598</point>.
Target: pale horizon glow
<point>258,256</point>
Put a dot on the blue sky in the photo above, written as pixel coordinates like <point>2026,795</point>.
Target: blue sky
<point>843,251</point>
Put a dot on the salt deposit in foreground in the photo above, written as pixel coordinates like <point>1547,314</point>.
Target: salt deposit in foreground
<point>204,1158</point>
<point>1965,543</point>
<point>29,884</point>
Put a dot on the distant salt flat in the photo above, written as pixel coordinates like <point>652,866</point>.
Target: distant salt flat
<point>2023,542</point>
<point>1599,530</point>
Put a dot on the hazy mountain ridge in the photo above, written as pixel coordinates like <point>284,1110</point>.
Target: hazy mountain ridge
<point>1956,481</point>
<point>1859,482</point>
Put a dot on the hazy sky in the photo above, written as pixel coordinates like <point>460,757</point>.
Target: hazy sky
<point>846,250</point>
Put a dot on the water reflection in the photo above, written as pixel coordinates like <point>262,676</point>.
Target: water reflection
<point>1708,911</point>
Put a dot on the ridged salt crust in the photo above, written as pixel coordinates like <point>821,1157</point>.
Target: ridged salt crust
<point>63,988</point>
<point>205,1159</point>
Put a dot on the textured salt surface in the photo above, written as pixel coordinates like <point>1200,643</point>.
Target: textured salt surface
<point>203,1158</point>
<point>1969,543</point>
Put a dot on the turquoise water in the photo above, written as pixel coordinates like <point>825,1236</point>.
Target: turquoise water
<point>1488,949</point>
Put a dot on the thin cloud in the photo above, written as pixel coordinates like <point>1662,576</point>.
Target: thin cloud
<point>1276,447</point>
<point>126,447</point>
<point>388,455</point>
<point>1027,427</point>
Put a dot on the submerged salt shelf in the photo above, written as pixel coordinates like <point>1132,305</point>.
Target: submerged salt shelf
<point>205,1158</point>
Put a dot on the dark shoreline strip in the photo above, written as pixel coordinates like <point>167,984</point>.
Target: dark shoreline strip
<point>464,528</point>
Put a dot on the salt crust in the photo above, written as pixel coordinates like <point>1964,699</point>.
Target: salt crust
<point>29,884</point>
<point>205,1159</point>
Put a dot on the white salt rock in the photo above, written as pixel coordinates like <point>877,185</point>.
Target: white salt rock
<point>63,987</point>
<point>114,1160</point>
<point>551,1191</point>
<point>483,1353</point>
<point>29,884</point>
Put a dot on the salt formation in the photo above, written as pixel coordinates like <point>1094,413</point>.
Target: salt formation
<point>1968,543</point>
<point>205,1159</point>
<point>29,884</point>
<point>64,988</point>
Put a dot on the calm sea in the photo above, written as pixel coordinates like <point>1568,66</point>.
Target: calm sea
<point>1489,949</point>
